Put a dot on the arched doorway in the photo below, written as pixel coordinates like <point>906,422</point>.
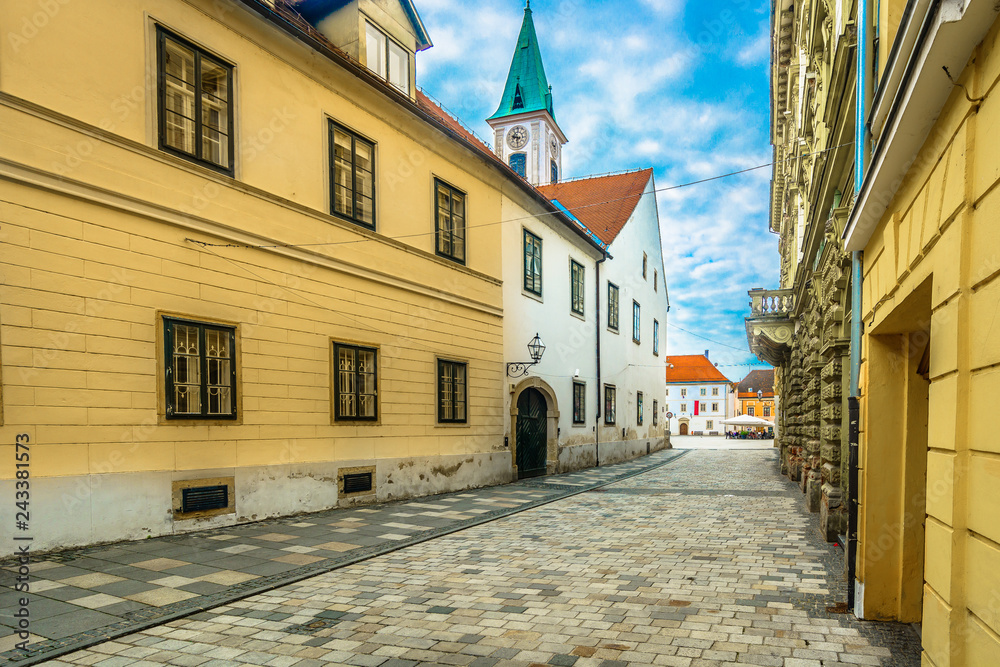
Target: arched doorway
<point>684,428</point>
<point>532,433</point>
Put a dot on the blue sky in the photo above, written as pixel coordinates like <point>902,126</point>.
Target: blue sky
<point>678,86</point>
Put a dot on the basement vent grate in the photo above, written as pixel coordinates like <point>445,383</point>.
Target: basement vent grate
<point>357,482</point>
<point>201,498</point>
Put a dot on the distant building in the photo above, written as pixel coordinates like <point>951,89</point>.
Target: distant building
<point>697,395</point>
<point>755,395</point>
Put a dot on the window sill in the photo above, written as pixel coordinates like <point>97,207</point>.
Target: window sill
<point>614,331</point>
<point>452,425</point>
<point>580,316</point>
<point>532,295</point>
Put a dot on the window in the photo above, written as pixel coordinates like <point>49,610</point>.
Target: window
<point>767,410</point>
<point>452,396</point>
<point>519,163</point>
<point>750,411</point>
<point>684,407</point>
<point>450,222</point>
<point>353,170</point>
<point>656,280</point>
<point>668,391</point>
<point>532,263</point>
<point>200,370</point>
<point>715,391</point>
<point>387,59</point>
<point>703,391</point>
<point>684,392</point>
<point>709,424</point>
<point>554,172</point>
<point>355,389</point>
<point>638,408</point>
<point>715,407</point>
<point>656,338</point>
<point>613,306</point>
<point>576,286</point>
<point>636,330</point>
<point>701,407</point>
<point>610,400</point>
<point>518,100</point>
<point>195,101</point>
<point>644,262</point>
<point>579,402</point>
<point>656,411</point>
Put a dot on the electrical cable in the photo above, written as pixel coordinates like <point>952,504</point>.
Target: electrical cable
<point>528,217</point>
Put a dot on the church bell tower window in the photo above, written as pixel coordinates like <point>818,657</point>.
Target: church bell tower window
<point>555,172</point>
<point>519,163</point>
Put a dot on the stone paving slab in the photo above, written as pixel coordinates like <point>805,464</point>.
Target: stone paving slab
<point>596,579</point>
<point>83,595</point>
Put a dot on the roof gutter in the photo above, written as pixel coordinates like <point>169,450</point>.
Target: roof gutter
<point>946,37</point>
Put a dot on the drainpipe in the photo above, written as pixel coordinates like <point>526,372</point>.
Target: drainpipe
<point>861,152</point>
<point>597,423</point>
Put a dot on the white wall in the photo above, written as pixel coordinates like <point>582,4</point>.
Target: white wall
<point>631,366</point>
<point>570,339</point>
<point>724,399</point>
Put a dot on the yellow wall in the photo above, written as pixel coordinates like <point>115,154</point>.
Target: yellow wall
<point>930,459</point>
<point>758,407</point>
<point>96,226</point>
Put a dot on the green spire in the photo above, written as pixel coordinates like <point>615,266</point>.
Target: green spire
<point>526,89</point>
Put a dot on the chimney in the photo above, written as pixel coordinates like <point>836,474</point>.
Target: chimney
<point>706,354</point>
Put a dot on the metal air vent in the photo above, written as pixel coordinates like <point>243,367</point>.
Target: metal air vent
<point>357,482</point>
<point>201,498</point>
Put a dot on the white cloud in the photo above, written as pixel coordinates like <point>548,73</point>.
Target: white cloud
<point>756,52</point>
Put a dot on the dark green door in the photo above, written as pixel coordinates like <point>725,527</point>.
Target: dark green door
<point>531,434</point>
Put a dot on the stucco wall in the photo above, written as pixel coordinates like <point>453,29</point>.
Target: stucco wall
<point>931,274</point>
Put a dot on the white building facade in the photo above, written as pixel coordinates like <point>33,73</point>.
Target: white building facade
<point>698,396</point>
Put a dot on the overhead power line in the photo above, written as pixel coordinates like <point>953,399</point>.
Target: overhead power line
<point>527,217</point>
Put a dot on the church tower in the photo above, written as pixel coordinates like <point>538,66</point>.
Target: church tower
<point>526,134</point>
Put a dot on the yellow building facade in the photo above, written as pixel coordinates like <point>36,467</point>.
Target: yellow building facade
<point>275,291</point>
<point>928,223</point>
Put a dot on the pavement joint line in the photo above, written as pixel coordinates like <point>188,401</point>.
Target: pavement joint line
<point>307,571</point>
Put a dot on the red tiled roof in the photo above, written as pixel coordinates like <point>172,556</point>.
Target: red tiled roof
<point>693,368</point>
<point>602,203</point>
<point>433,108</point>
<point>757,380</point>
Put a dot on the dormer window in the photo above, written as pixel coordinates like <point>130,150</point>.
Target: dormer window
<point>518,98</point>
<point>387,59</point>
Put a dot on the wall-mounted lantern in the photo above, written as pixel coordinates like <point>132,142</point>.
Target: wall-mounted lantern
<point>536,348</point>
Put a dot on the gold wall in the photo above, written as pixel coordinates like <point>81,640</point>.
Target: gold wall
<point>930,506</point>
<point>99,233</point>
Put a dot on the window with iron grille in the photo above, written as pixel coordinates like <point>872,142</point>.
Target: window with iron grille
<point>195,103</point>
<point>579,402</point>
<point>532,263</point>
<point>656,411</point>
<point>200,370</point>
<point>450,221</point>
<point>636,325</point>
<point>656,338</point>
<point>613,306</point>
<point>452,393</point>
<point>356,385</point>
<point>576,286</point>
<point>638,408</point>
<point>352,169</point>
<point>610,402</point>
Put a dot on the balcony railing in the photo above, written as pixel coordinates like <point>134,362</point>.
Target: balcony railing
<point>771,303</point>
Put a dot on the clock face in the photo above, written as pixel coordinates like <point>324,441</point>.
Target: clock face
<point>517,137</point>
<point>553,146</point>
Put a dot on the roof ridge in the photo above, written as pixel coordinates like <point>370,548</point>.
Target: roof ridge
<point>607,174</point>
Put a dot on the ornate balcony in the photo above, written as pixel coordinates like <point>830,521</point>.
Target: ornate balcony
<point>770,326</point>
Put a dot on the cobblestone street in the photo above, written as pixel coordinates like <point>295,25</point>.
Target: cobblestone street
<point>679,565</point>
